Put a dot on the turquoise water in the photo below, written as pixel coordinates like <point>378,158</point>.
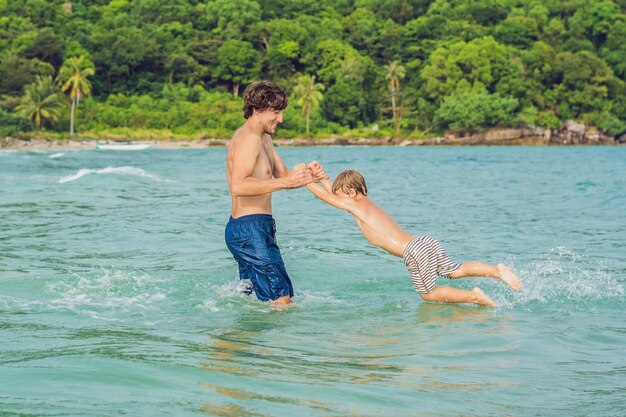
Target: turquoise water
<point>118,295</point>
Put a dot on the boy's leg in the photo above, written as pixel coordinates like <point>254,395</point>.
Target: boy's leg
<point>480,269</point>
<point>447,294</point>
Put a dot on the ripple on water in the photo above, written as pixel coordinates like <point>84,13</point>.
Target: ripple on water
<point>126,170</point>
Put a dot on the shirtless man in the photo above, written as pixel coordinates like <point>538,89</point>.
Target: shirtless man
<point>423,256</point>
<point>254,171</point>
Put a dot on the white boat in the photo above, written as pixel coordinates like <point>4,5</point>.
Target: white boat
<point>123,146</point>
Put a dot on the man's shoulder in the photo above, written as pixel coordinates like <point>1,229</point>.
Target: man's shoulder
<point>245,135</point>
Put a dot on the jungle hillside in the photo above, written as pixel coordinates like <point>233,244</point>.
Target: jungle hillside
<point>374,68</point>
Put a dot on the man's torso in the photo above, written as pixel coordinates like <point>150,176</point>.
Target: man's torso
<point>263,169</point>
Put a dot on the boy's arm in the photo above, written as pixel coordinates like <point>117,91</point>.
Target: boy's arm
<point>335,201</point>
<point>321,175</point>
<point>327,184</point>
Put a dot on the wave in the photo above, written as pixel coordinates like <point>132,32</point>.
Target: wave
<point>57,155</point>
<point>110,170</point>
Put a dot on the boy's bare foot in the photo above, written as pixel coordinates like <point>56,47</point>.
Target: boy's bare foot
<point>509,277</point>
<point>482,298</point>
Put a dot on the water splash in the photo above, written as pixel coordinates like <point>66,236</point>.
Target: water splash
<point>233,294</point>
<point>106,293</point>
<point>126,170</point>
<point>563,277</point>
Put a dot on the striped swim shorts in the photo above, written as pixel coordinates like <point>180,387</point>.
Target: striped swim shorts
<point>426,260</point>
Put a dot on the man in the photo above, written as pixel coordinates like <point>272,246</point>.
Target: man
<point>254,171</point>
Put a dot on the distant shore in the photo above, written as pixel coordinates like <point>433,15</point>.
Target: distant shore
<point>570,133</point>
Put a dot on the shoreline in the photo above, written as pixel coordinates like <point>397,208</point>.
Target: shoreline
<point>567,135</point>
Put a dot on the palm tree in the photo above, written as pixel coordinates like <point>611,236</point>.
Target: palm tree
<point>394,72</point>
<point>41,101</point>
<point>73,77</point>
<point>309,95</point>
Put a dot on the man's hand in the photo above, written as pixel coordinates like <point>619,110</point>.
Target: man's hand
<point>298,177</point>
<point>318,171</point>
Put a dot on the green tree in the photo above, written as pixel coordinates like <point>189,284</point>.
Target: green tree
<point>595,21</point>
<point>232,19</point>
<point>73,78</point>
<point>17,72</point>
<point>471,112</point>
<point>342,104</point>
<point>475,65</point>
<point>518,31</point>
<point>123,55</point>
<point>615,49</point>
<point>308,95</point>
<point>41,101</point>
<point>239,63</point>
<point>12,123</point>
<point>46,46</point>
<point>394,72</point>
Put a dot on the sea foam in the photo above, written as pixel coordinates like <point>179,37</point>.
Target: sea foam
<point>564,277</point>
<point>107,293</point>
<point>126,170</point>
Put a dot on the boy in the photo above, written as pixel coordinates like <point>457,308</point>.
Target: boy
<point>423,256</point>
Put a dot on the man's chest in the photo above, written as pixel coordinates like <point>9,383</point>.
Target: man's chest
<point>265,160</point>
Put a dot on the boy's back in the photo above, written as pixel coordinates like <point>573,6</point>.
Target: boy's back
<point>377,226</point>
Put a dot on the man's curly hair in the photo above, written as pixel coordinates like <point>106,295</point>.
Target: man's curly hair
<point>263,95</point>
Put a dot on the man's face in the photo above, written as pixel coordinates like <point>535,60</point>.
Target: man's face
<point>269,119</point>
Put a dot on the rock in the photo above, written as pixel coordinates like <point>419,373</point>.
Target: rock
<point>573,127</point>
<point>547,134</point>
<point>606,139</point>
<point>500,135</point>
<point>592,136</point>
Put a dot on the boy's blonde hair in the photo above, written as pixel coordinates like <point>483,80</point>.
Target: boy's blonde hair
<point>350,180</point>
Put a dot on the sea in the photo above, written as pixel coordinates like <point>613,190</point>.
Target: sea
<point>118,296</point>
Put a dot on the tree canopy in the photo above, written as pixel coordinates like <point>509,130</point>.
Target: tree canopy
<point>182,64</point>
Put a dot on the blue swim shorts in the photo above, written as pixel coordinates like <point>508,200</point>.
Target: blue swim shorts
<point>252,241</point>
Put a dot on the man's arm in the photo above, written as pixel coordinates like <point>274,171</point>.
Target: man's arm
<point>244,184</point>
<point>280,168</point>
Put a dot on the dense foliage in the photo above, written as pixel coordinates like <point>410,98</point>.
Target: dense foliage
<point>406,66</point>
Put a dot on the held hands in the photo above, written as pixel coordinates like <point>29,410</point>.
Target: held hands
<point>318,171</point>
<point>299,176</point>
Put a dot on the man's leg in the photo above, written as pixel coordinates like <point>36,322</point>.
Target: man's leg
<point>480,269</point>
<point>283,300</point>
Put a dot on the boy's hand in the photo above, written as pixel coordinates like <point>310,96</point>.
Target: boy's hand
<point>299,176</point>
<point>318,171</point>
